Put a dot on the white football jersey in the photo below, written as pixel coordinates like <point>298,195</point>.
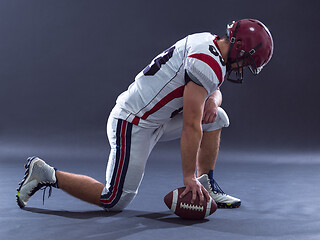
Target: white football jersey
<point>156,94</point>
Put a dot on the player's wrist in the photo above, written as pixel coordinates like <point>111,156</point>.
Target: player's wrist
<point>189,177</point>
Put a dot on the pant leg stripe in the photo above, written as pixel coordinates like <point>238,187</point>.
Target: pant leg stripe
<point>125,164</point>
<point>112,191</point>
<point>121,166</point>
<point>116,165</point>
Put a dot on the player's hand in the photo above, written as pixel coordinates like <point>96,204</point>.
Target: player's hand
<point>194,186</point>
<point>210,111</point>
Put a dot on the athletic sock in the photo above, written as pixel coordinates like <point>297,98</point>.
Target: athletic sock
<point>210,174</point>
<point>56,185</point>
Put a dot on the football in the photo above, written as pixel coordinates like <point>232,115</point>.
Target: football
<point>185,209</point>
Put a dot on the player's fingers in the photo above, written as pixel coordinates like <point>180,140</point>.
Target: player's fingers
<point>210,119</point>
<point>204,118</point>
<point>205,192</point>
<point>186,190</point>
<point>201,197</point>
<point>214,117</point>
<point>207,119</point>
<point>194,195</point>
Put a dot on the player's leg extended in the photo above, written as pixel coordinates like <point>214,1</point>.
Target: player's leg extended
<point>39,174</point>
<point>80,186</point>
<point>207,157</point>
<point>124,172</point>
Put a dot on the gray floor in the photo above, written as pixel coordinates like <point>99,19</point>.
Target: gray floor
<point>280,196</point>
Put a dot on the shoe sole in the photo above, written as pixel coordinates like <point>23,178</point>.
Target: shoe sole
<point>229,205</point>
<point>28,166</point>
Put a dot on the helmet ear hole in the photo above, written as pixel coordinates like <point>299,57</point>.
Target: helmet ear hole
<point>238,44</point>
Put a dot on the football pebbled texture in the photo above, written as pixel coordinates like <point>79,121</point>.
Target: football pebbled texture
<point>185,209</point>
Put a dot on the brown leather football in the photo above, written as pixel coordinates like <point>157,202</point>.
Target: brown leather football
<point>185,209</point>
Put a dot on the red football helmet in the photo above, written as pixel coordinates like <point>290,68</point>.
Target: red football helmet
<point>250,45</point>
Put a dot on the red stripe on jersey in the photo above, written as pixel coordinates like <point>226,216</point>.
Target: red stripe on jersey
<point>119,170</point>
<point>211,62</point>
<point>172,95</point>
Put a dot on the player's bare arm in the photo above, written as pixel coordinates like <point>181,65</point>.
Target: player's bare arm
<point>193,104</point>
<point>211,107</point>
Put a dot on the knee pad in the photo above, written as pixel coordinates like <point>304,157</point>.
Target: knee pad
<point>221,121</point>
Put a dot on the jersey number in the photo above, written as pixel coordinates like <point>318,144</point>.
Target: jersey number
<point>155,66</point>
<point>214,52</point>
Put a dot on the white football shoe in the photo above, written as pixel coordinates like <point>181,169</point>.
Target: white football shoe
<point>38,174</point>
<point>223,200</point>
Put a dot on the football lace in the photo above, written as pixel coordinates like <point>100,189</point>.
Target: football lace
<point>191,207</point>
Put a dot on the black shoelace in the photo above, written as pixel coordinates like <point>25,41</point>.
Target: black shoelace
<point>216,187</point>
<point>44,192</point>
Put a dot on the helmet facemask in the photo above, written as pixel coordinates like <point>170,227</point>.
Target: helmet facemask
<point>243,59</point>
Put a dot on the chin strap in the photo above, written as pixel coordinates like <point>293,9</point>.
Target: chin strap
<point>239,79</point>
<point>238,73</point>
<point>229,70</point>
<point>233,39</point>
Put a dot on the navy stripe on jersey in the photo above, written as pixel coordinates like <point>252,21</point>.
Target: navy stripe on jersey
<point>123,141</point>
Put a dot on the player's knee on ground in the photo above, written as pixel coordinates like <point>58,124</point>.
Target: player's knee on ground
<point>221,121</point>
<point>116,202</point>
<point>122,187</point>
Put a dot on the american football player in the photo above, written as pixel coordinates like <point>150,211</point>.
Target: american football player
<point>176,96</point>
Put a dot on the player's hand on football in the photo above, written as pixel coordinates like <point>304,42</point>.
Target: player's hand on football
<point>210,111</point>
<point>194,186</point>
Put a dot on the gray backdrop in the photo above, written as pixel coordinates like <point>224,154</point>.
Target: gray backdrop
<point>63,63</point>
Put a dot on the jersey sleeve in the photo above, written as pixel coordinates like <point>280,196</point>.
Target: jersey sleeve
<point>204,68</point>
